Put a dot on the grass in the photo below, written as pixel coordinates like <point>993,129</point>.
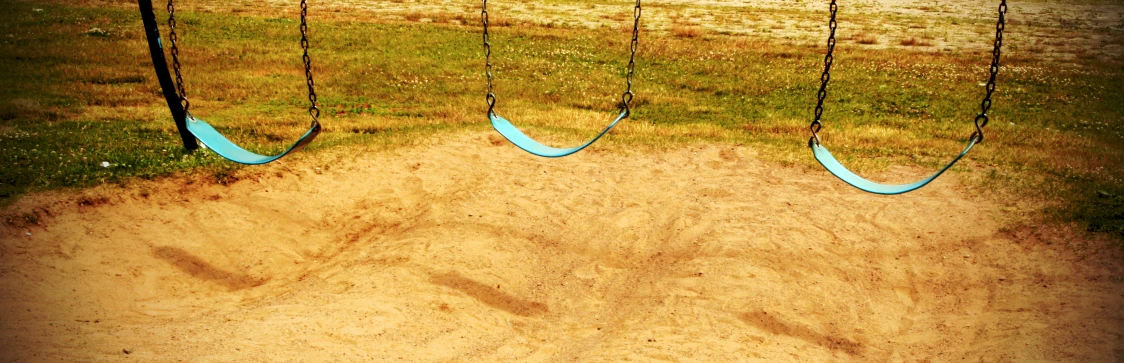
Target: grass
<point>75,97</point>
<point>915,42</point>
<point>865,39</point>
<point>687,31</point>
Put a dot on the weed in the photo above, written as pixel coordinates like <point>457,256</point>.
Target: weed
<point>30,219</point>
<point>865,39</point>
<point>915,42</point>
<point>686,31</point>
<point>92,200</point>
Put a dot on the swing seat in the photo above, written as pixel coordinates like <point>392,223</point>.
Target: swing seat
<point>193,130</point>
<point>227,149</point>
<point>517,137</point>
<point>832,165</point>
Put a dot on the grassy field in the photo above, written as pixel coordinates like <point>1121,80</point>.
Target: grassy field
<point>79,91</point>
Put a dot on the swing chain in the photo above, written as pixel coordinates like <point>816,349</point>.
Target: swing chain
<point>985,105</point>
<point>626,98</point>
<point>491,97</point>
<point>313,109</point>
<point>981,119</point>
<point>176,57</point>
<point>824,78</point>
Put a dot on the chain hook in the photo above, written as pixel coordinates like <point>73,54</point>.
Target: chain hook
<point>978,135</point>
<point>815,128</point>
<point>626,103</point>
<point>491,99</point>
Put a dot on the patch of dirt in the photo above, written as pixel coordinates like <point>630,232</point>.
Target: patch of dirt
<point>464,250</point>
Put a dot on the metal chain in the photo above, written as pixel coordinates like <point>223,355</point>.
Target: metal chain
<point>626,98</point>
<point>491,98</point>
<point>824,78</point>
<point>313,109</point>
<point>985,105</point>
<point>176,57</point>
<point>981,119</point>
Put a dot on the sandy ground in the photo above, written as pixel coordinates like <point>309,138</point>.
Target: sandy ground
<point>469,250</point>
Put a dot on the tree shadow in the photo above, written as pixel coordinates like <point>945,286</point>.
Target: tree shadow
<point>202,270</point>
<point>772,324</point>
<point>489,295</point>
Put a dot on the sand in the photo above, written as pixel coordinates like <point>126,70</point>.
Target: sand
<point>465,249</point>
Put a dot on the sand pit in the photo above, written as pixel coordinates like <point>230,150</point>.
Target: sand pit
<point>471,250</point>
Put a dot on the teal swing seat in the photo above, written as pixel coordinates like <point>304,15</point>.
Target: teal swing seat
<point>517,137</point>
<point>193,130</point>
<point>835,168</point>
<point>829,162</point>
<point>512,133</point>
<point>229,150</point>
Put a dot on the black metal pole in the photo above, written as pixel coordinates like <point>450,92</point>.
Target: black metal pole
<point>156,48</point>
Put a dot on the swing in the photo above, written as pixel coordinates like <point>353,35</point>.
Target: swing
<point>191,128</point>
<point>832,165</point>
<point>517,137</point>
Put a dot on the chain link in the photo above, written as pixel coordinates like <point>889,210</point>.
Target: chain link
<point>985,105</point>
<point>626,98</point>
<point>825,77</point>
<point>491,98</point>
<point>313,109</point>
<point>176,57</point>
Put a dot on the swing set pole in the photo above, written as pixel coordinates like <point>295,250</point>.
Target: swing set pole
<point>156,48</point>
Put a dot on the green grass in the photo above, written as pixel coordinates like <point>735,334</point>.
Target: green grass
<point>73,99</point>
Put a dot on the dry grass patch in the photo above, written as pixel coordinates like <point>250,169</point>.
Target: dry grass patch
<point>865,39</point>
<point>915,42</point>
<point>686,31</point>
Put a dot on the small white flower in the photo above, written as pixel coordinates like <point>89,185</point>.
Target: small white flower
<point>37,10</point>
<point>28,234</point>
<point>105,164</point>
